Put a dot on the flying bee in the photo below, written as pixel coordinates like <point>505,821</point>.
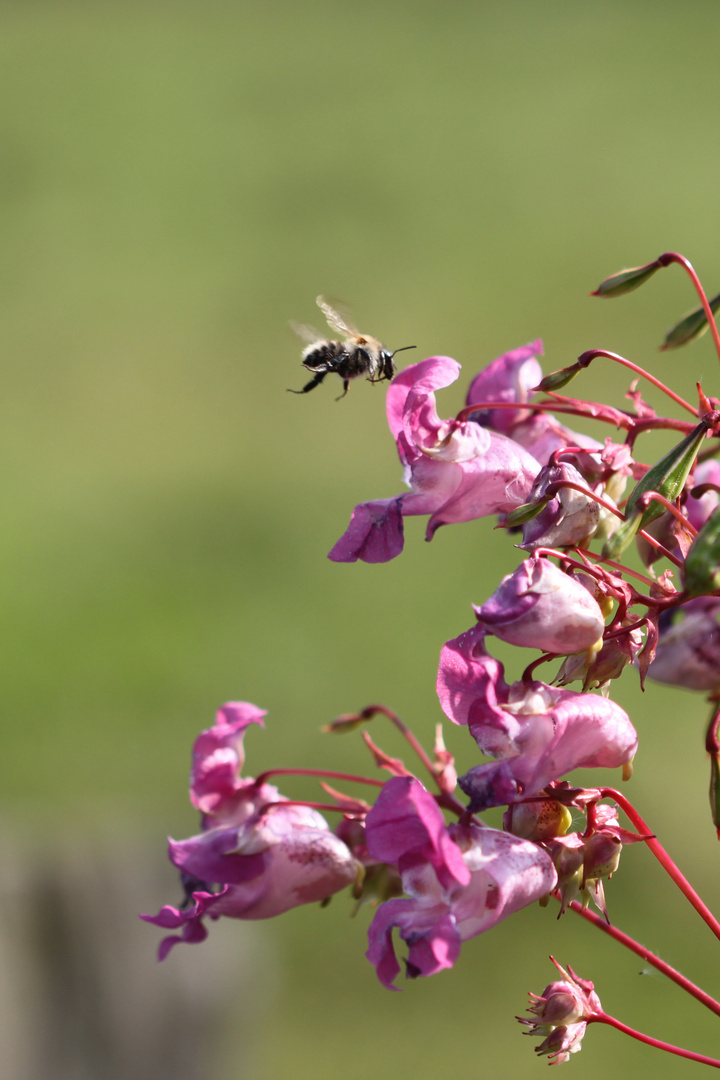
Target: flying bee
<point>357,354</point>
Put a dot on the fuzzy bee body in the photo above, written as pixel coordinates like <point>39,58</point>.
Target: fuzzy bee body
<point>355,356</point>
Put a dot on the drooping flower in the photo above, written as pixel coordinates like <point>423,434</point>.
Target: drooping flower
<point>536,732</point>
<point>256,857</point>
<point>561,1015</point>
<point>456,470</point>
<point>541,607</point>
<point>568,518</point>
<point>459,880</point>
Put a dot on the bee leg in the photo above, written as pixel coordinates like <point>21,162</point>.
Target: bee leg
<point>311,385</point>
<point>346,383</point>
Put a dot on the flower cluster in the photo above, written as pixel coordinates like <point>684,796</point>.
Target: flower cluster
<point>420,852</point>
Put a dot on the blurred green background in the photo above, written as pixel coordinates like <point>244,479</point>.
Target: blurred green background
<point>178,180</point>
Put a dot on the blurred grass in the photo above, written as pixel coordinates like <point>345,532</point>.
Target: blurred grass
<point>179,179</point>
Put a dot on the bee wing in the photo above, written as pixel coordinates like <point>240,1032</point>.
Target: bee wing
<point>337,320</point>
<point>307,333</point>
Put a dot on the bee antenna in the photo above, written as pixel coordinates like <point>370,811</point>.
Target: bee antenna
<point>404,349</point>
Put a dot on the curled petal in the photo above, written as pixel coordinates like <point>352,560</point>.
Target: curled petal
<point>218,755</point>
<point>509,378</point>
<point>466,673</point>
<point>406,824</point>
<point>375,533</point>
<point>420,380</point>
<point>506,873</point>
<point>434,940</point>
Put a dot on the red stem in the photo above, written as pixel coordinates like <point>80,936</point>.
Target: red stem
<point>552,488</point>
<point>665,861</point>
<point>337,807</point>
<point>630,943</point>
<point>654,496</point>
<point>368,713</point>
<point>618,566</point>
<point>603,1018</point>
<point>673,257</point>
<point>327,774</point>
<point>586,357</point>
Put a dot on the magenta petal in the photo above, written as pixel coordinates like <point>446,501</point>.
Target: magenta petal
<point>210,857</point>
<point>493,483</point>
<point>375,533</point>
<point>467,673</point>
<point>436,951</point>
<point>549,734</point>
<point>218,755</point>
<point>406,821</point>
<point>509,378</point>
<point>381,951</point>
<point>420,379</point>
<point>539,606</point>
<point>193,931</point>
<point>430,932</point>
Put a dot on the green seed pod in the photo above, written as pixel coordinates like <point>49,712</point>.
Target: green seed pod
<point>626,280</point>
<point>691,326</point>
<point>524,513</point>
<point>702,566</point>
<point>667,477</point>
<point>556,380</point>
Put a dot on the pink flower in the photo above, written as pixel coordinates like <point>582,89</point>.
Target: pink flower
<point>457,470</point>
<point>688,650</point>
<point>699,510</point>
<point>568,518</point>
<point>535,732</point>
<point>539,606</point>
<point>460,880</point>
<point>511,378</point>
<point>267,857</point>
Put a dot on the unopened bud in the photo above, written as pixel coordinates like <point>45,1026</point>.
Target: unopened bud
<point>556,380</point>
<point>626,280</point>
<point>602,855</point>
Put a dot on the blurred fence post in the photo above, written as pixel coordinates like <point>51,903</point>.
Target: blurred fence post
<point>82,996</point>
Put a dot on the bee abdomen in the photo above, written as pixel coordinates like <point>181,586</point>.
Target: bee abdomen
<point>324,356</point>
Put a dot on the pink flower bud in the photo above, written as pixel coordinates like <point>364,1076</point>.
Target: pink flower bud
<point>540,607</point>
